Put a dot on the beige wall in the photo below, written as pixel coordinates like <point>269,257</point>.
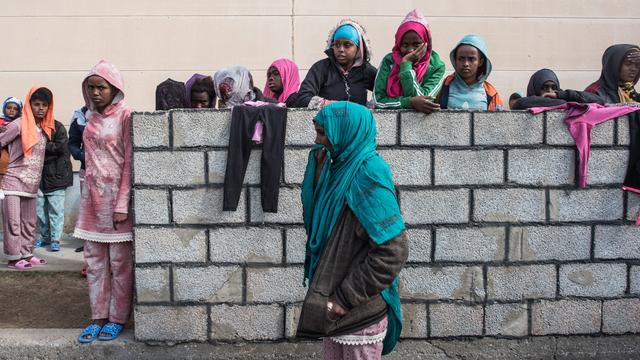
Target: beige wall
<point>151,40</point>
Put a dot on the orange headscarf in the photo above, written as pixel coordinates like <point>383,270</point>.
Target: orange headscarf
<point>29,130</point>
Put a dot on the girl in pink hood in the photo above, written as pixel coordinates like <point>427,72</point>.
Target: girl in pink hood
<point>103,220</point>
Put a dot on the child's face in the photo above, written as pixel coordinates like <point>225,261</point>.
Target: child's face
<point>345,52</point>
<point>274,81</point>
<point>321,136</point>
<point>11,110</point>
<point>548,87</point>
<point>410,41</point>
<point>468,61</point>
<point>100,92</point>
<point>39,109</point>
<point>630,66</point>
<point>200,100</point>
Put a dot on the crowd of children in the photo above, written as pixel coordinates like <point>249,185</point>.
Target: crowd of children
<point>35,166</point>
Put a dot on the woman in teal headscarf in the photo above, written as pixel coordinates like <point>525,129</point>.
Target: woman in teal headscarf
<point>356,243</point>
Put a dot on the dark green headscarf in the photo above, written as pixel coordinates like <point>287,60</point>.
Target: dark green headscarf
<point>359,176</point>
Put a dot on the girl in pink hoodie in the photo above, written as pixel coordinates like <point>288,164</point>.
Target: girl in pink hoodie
<point>104,221</point>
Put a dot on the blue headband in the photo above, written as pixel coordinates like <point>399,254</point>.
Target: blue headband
<point>347,31</point>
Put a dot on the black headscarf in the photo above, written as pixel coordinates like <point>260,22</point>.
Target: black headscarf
<point>538,79</point>
<point>607,84</point>
<point>171,94</point>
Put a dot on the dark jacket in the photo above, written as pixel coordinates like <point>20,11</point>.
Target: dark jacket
<point>325,79</point>
<point>564,96</point>
<point>75,135</point>
<point>57,173</point>
<point>355,270</point>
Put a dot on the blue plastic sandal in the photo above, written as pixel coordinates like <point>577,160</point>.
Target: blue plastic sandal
<point>112,329</point>
<point>55,246</point>
<point>38,243</point>
<point>93,330</point>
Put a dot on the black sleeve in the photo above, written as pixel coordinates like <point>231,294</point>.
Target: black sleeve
<point>370,73</point>
<point>579,96</point>
<point>75,141</point>
<point>535,101</point>
<point>310,86</point>
<point>58,144</point>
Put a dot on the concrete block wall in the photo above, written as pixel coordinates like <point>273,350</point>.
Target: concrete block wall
<point>502,241</point>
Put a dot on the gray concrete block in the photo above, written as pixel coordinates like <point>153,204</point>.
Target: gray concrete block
<point>533,243</point>
<point>251,322</point>
<point>261,281</point>
<point>513,205</point>
<point>152,284</point>
<point>289,207</point>
<point>218,167</point>
<point>507,128</point>
<point>633,206</point>
<point>451,128</point>
<point>455,320</point>
<point>472,244</point>
<point>295,164</point>
<point>296,245</point>
<point>623,130</point>
<point>558,134</point>
<point>195,127</point>
<point>585,205</point>
<point>507,319</point>
<point>516,283</point>
<point>171,323</point>
<point>300,130</point>
<point>542,167</point>
<point>211,284</point>
<point>565,317</point>
<point>414,318</point>
<point>386,126</point>
<point>469,167</point>
<point>150,129</point>
<point>419,245</point>
<point>621,316</point>
<point>436,282</point>
<point>292,316</point>
<point>435,206</point>
<point>168,168</point>
<point>151,206</point>
<point>607,166</point>
<point>204,206</point>
<point>617,242</point>
<point>635,280</point>
<point>170,245</point>
<point>409,167</point>
<point>593,280</point>
<point>245,245</point>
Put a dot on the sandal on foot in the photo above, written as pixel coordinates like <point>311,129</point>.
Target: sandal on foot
<point>21,265</point>
<point>93,330</point>
<point>36,261</point>
<point>112,329</point>
<point>55,246</point>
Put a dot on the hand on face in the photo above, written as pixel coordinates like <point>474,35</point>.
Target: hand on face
<point>416,54</point>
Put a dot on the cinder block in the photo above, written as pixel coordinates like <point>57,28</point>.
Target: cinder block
<point>558,134</point>
<point>621,316</point>
<point>623,130</point>
<point>292,316</point>
<point>386,126</point>
<point>446,128</point>
<point>469,167</point>
<point>181,168</point>
<point>533,243</point>
<point>289,207</point>
<point>542,167</point>
<point>171,323</point>
<point>218,167</point>
<point>449,282</point>
<point>455,320</point>
<point>204,206</point>
<point>565,317</point>
<point>170,245</point>
<point>435,206</point>
<point>151,206</point>
<point>507,128</point>
<point>414,318</point>
<point>419,245</point>
<point>512,205</point>
<point>507,319</point>
<point>152,284</point>
<point>251,322</point>
<point>585,205</point>
<point>300,130</point>
<point>635,280</point>
<point>409,167</point>
<point>516,283</point>
<point>593,280</point>
<point>617,242</point>
<point>150,129</point>
<point>211,284</point>
<point>633,206</point>
<point>261,289</point>
<point>607,166</point>
<point>472,244</point>
<point>245,245</point>
<point>195,127</point>
<point>295,164</point>
<point>296,245</point>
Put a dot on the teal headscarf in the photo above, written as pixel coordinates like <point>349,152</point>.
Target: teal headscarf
<point>359,176</point>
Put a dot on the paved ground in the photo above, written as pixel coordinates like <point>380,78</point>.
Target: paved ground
<point>64,260</point>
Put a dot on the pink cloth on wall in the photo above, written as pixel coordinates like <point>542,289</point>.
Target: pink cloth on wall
<point>257,131</point>
<point>290,79</point>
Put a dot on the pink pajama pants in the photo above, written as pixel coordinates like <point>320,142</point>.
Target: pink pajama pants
<point>19,226</point>
<point>110,278</point>
<point>332,350</point>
